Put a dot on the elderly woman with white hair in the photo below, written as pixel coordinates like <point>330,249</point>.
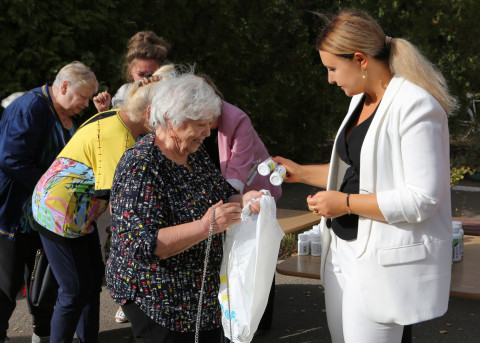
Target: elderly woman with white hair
<point>33,130</point>
<point>170,207</point>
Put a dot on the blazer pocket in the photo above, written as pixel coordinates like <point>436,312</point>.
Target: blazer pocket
<point>402,255</point>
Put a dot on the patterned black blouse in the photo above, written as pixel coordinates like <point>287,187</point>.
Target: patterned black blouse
<point>151,192</point>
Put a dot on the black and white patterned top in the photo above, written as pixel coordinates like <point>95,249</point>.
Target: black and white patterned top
<point>151,192</point>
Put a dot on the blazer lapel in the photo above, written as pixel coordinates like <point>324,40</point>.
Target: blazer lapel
<point>369,164</point>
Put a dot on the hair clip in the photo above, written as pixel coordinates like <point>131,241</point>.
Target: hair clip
<point>147,80</point>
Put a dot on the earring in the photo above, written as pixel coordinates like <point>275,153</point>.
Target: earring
<point>364,73</point>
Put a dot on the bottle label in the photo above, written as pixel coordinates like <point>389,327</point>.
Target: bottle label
<point>303,248</point>
<point>456,251</point>
<point>316,248</point>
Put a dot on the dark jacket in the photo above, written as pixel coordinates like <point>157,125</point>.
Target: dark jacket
<point>27,148</point>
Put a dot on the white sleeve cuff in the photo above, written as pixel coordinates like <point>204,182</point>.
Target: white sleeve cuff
<point>237,184</point>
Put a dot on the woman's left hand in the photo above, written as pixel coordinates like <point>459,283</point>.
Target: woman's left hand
<point>102,101</point>
<point>254,205</point>
<point>329,204</point>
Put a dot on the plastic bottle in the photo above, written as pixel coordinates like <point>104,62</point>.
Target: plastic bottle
<point>462,233</point>
<point>266,167</point>
<point>456,243</point>
<point>303,244</point>
<point>314,230</point>
<point>315,245</point>
<point>309,240</point>
<point>278,175</point>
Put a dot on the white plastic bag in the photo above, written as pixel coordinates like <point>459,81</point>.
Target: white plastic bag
<point>251,252</point>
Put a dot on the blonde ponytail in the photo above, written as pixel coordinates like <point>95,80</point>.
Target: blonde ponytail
<point>407,61</point>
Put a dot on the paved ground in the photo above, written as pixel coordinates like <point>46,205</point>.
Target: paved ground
<point>299,304</point>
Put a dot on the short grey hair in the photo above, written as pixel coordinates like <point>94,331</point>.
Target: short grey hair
<point>78,75</point>
<point>184,97</point>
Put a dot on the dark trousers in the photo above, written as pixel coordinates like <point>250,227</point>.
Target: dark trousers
<point>16,264</point>
<point>146,330</point>
<point>407,334</point>
<point>79,271</point>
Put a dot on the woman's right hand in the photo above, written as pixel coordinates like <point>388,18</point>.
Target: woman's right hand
<point>314,174</point>
<point>226,215</point>
<point>293,169</point>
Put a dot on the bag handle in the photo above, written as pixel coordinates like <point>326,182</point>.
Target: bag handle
<point>228,291</point>
<point>34,271</point>
<point>205,265</point>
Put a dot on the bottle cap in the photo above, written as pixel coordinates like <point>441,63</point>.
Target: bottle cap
<point>456,226</point>
<point>278,175</point>
<point>457,223</point>
<point>303,237</point>
<point>264,169</point>
<point>276,179</point>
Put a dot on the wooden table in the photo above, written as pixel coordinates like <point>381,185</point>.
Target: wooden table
<point>295,220</point>
<point>301,266</point>
<point>471,226</point>
<point>465,274</point>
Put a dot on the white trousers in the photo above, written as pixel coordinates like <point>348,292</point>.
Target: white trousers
<point>345,316</point>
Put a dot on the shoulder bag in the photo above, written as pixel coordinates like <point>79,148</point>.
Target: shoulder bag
<point>43,288</point>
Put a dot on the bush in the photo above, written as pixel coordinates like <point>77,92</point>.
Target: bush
<point>259,53</point>
<point>40,37</point>
<point>261,56</point>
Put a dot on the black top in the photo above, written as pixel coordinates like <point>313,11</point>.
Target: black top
<point>346,226</point>
<point>211,145</point>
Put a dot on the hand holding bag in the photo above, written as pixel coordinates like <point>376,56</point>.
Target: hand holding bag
<point>43,288</point>
<point>246,274</point>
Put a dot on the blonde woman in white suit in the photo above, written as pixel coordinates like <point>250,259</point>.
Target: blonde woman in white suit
<point>386,226</point>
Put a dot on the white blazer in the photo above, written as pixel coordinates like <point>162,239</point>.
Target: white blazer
<point>404,266</point>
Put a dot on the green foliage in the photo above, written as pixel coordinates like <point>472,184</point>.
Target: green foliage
<point>259,53</point>
<point>261,56</point>
<point>288,246</point>
<point>39,37</point>
<point>458,174</point>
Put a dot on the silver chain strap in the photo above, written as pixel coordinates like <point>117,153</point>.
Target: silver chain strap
<point>205,265</point>
<point>35,266</point>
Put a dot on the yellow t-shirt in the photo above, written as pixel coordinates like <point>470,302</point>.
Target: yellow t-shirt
<point>75,189</point>
<point>99,144</point>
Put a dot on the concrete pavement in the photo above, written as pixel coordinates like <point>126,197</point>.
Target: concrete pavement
<point>299,303</point>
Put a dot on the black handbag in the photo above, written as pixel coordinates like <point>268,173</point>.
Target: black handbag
<point>43,288</point>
